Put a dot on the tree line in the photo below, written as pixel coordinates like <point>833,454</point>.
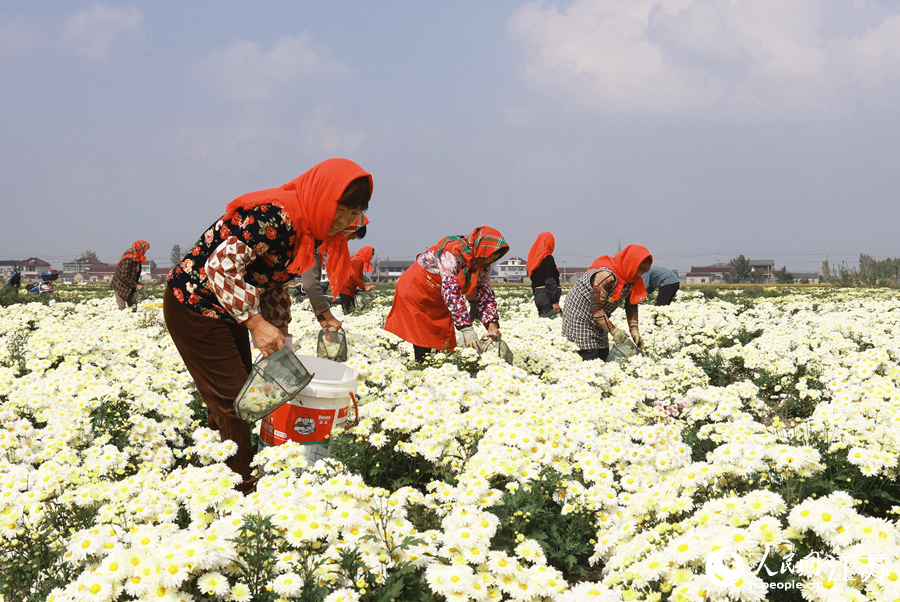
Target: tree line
<point>871,272</point>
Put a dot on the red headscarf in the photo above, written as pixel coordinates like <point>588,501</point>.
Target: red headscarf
<point>542,247</point>
<point>483,241</point>
<point>136,251</point>
<point>624,265</point>
<point>364,255</point>
<point>310,200</point>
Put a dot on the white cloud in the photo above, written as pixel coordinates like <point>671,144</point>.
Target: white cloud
<point>244,72</point>
<point>331,131</point>
<point>649,57</point>
<point>92,33</point>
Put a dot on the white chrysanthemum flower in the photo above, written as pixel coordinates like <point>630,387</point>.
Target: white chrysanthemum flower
<point>214,584</point>
<point>287,584</point>
<point>240,593</point>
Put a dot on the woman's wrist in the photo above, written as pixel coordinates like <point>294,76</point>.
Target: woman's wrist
<point>253,321</point>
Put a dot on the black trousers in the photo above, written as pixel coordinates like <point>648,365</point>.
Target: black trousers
<point>347,302</point>
<point>594,354</point>
<point>667,293</point>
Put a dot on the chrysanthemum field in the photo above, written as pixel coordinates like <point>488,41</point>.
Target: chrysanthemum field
<point>749,454</point>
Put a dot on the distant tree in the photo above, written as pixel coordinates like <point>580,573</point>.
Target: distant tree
<point>782,276</point>
<point>740,270</point>
<point>826,271</point>
<point>176,255</point>
<point>867,269</point>
<point>90,255</point>
<point>846,275</point>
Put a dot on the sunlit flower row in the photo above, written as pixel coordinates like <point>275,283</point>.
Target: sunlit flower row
<point>763,427</point>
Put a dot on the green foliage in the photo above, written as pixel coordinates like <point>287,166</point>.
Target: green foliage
<point>782,276</point>
<point>870,273</point>
<point>31,562</point>
<point>258,540</point>
<point>176,255</point>
<point>740,270</point>
<point>532,511</point>
<point>10,296</point>
<point>875,496</point>
<point>16,343</point>
<point>403,582</point>
<point>699,447</point>
<point>112,418</point>
<point>383,467</point>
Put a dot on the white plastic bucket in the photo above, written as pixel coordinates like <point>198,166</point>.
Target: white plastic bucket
<point>320,408</point>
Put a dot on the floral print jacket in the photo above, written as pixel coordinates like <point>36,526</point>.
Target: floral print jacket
<point>448,270</point>
<point>238,268</point>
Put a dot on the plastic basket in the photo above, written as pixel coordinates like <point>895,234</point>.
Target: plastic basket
<point>140,294</point>
<point>622,350</point>
<point>363,299</point>
<point>490,347</point>
<point>273,381</point>
<point>332,345</point>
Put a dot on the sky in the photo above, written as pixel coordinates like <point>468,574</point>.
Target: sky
<point>701,129</point>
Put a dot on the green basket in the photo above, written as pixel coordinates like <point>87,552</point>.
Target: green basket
<point>332,345</point>
<point>490,347</point>
<point>623,350</point>
<point>273,381</point>
<point>140,294</point>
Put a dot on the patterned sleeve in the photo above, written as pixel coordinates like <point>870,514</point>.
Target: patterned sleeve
<point>603,284</point>
<point>451,292</point>
<point>225,272</point>
<point>312,286</point>
<point>487,302</point>
<point>134,273</point>
<point>275,306</point>
<point>631,314</point>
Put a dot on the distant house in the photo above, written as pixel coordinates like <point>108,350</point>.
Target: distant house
<point>6,268</point>
<point>387,270</point>
<point>706,274</point>
<point>74,277</point>
<point>102,273</point>
<point>806,278</point>
<point>570,275</point>
<point>83,264</point>
<point>159,274</point>
<point>764,267</point>
<point>32,267</point>
<point>512,270</point>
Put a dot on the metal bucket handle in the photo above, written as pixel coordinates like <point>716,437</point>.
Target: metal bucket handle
<point>488,339</point>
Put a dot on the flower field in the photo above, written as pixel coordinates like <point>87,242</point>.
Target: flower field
<point>750,454</point>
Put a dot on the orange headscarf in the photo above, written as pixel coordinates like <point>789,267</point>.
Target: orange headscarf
<point>543,246</point>
<point>483,241</point>
<point>364,255</point>
<point>136,251</point>
<point>310,200</point>
<point>624,265</point>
